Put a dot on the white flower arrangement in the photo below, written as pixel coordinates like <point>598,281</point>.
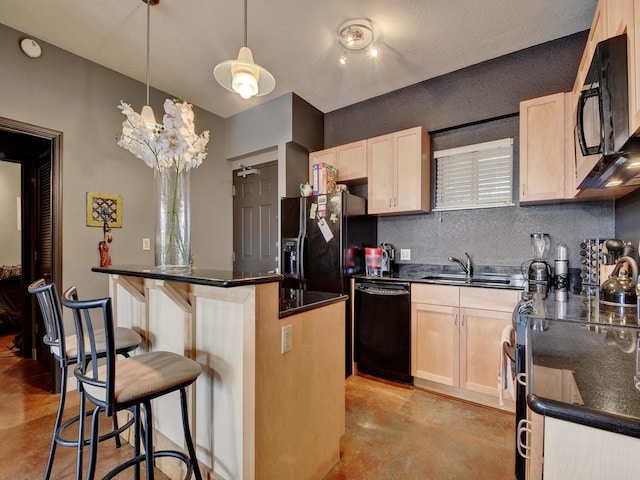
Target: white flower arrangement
<point>174,144</point>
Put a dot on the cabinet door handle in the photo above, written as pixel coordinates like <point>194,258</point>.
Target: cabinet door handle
<point>389,202</point>
<point>455,319</point>
<point>521,378</point>
<point>524,428</point>
<point>463,317</point>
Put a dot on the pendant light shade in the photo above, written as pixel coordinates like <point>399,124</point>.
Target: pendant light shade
<point>242,75</point>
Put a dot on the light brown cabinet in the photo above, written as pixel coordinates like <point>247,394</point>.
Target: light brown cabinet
<point>551,163</point>
<point>542,148</point>
<point>597,33</point>
<point>398,171</point>
<point>456,336</point>
<point>350,160</point>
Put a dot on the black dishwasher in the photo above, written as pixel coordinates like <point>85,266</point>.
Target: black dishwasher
<point>382,329</point>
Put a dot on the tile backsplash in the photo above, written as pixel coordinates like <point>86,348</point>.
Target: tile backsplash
<point>497,236</point>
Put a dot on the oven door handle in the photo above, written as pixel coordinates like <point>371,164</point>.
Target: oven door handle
<point>524,428</point>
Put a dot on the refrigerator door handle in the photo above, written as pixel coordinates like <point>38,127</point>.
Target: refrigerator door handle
<point>301,260</point>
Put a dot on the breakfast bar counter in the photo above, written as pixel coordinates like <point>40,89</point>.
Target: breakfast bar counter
<point>255,411</point>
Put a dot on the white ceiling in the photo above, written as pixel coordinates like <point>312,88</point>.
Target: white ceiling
<point>295,39</point>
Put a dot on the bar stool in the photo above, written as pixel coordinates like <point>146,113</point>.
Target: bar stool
<point>64,348</point>
<point>123,383</point>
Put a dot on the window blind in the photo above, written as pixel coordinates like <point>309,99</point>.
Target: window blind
<point>475,176</point>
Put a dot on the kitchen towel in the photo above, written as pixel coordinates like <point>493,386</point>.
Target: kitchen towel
<point>505,378</point>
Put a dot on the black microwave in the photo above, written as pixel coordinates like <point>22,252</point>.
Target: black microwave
<point>602,126</point>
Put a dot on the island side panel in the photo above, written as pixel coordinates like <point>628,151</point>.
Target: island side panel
<point>170,320</point>
<point>300,395</point>
<point>225,392</point>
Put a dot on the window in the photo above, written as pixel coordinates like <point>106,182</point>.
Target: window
<point>475,176</point>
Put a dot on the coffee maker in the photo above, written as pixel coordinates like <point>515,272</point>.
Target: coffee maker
<point>539,269</point>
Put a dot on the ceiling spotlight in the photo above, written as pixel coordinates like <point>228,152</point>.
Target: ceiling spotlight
<point>356,36</point>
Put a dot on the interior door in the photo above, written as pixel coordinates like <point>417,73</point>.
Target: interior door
<point>255,219</point>
<point>39,151</point>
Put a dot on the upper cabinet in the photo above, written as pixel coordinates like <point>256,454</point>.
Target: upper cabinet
<point>349,159</point>
<point>597,33</point>
<point>396,167</point>
<point>542,148</point>
<point>551,164</point>
<point>398,171</point>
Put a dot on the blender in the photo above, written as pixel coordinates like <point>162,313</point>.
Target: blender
<point>539,270</point>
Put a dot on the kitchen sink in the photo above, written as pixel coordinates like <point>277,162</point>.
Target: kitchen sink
<point>476,280</point>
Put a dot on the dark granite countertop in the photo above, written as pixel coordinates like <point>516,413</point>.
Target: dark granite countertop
<point>598,345</point>
<point>294,301</point>
<point>200,276</point>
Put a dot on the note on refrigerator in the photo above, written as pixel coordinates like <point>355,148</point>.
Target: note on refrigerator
<point>325,230</point>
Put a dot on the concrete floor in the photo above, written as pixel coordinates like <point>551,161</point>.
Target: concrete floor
<point>27,414</point>
<point>395,432</point>
<point>392,432</point>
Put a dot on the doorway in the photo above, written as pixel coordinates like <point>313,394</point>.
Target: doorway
<point>37,151</point>
<point>255,219</point>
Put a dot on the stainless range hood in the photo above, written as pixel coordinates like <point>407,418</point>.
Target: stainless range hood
<point>620,170</point>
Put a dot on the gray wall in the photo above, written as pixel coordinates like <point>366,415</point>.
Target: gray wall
<point>69,94</point>
<point>476,104</point>
<point>628,218</point>
<point>10,236</point>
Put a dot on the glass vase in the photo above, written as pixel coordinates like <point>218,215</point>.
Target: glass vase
<point>173,219</point>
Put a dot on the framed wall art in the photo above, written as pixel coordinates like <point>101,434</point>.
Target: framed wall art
<point>101,206</point>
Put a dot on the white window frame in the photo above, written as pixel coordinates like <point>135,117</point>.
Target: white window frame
<point>499,153</point>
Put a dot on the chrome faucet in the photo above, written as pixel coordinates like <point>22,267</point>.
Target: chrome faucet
<point>468,268</point>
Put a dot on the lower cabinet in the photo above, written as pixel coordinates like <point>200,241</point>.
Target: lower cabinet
<point>572,450</point>
<point>456,338</point>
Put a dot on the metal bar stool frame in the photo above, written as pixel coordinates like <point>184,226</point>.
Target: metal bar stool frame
<point>55,338</point>
<point>171,372</point>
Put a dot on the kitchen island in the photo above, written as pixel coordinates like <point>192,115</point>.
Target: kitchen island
<point>582,359</point>
<point>255,412</point>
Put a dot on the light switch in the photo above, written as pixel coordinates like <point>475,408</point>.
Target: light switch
<point>146,244</point>
<point>405,254</point>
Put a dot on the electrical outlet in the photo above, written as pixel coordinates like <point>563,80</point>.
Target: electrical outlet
<point>405,254</point>
<point>287,339</point>
<point>146,244</point>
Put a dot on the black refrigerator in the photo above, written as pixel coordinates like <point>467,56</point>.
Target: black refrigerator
<point>322,246</point>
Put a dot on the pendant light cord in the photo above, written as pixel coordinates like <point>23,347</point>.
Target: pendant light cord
<point>148,2</point>
<point>245,23</point>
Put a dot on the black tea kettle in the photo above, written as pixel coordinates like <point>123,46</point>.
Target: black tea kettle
<point>620,288</point>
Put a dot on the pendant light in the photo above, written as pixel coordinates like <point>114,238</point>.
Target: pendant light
<point>147,112</point>
<point>243,76</point>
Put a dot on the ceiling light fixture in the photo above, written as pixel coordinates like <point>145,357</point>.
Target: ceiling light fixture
<point>356,36</point>
<point>147,112</point>
<point>243,76</point>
